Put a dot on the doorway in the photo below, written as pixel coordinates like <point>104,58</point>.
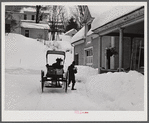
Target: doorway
<point>27,33</point>
<point>76,59</point>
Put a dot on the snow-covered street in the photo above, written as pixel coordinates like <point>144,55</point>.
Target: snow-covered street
<point>23,92</point>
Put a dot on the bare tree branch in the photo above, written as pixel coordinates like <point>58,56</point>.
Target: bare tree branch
<point>56,19</point>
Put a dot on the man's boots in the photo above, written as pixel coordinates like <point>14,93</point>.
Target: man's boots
<point>73,84</point>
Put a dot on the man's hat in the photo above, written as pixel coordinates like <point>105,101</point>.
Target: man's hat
<point>73,62</point>
<point>59,60</point>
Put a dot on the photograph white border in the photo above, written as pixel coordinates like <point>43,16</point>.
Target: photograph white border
<point>71,115</point>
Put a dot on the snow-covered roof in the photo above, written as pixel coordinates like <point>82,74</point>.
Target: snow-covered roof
<point>34,25</point>
<point>79,35</point>
<point>95,11</point>
<point>64,37</point>
<point>32,9</point>
<point>70,32</point>
<point>103,15</point>
<point>111,14</point>
<point>45,11</point>
<point>57,23</point>
<point>28,9</point>
<point>33,21</point>
<point>29,21</point>
<point>89,32</point>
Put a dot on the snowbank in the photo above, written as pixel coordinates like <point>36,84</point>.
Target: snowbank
<point>117,91</point>
<point>84,72</point>
<point>23,52</point>
<point>28,53</point>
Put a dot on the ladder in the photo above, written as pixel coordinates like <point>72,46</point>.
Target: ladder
<point>136,48</point>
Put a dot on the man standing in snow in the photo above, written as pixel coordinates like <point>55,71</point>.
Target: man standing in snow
<point>72,70</point>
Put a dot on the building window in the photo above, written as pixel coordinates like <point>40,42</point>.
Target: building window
<point>89,56</point>
<point>33,17</point>
<point>25,17</point>
<point>27,33</point>
<point>89,52</point>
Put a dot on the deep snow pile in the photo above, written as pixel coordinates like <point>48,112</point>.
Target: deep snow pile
<point>23,52</point>
<point>117,91</point>
<point>113,91</point>
<point>28,53</point>
<point>83,72</point>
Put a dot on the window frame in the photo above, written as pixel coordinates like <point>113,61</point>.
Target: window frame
<point>89,56</point>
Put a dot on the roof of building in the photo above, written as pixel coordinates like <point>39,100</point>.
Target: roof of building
<point>112,14</point>
<point>34,21</point>
<point>89,32</point>
<point>95,11</point>
<point>34,25</point>
<point>79,35</point>
<point>32,9</point>
<point>28,9</point>
<point>64,37</point>
<point>104,15</point>
<point>70,32</point>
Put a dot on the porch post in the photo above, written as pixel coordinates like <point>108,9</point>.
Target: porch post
<point>112,64</point>
<point>99,53</point>
<point>120,47</point>
<point>131,56</point>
